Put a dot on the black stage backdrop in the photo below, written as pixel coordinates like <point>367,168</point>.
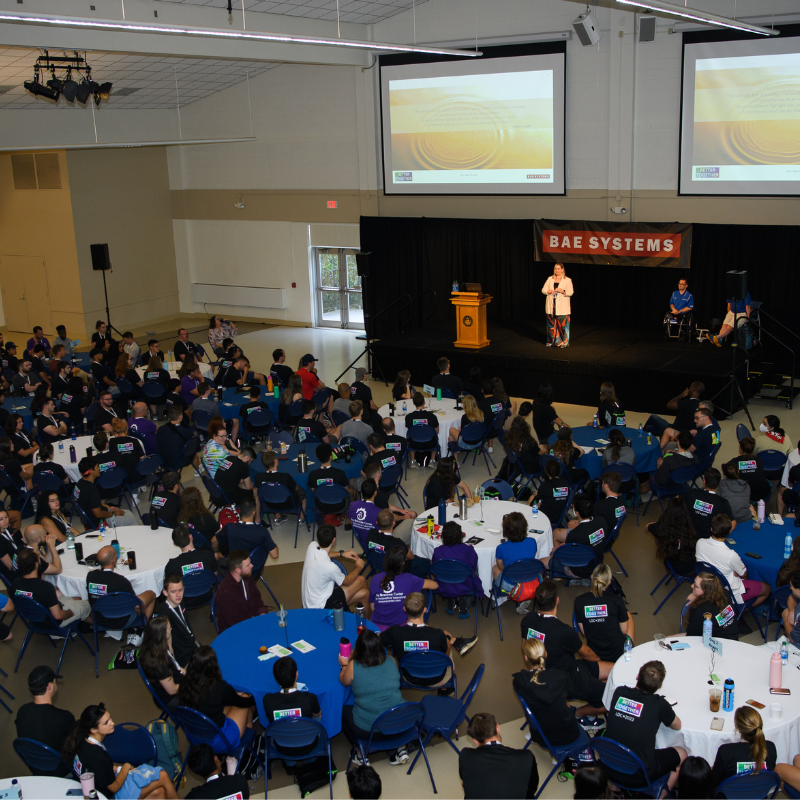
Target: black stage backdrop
<point>410,255</point>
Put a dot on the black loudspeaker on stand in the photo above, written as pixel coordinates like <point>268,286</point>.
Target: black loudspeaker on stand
<point>101,262</point>
<point>362,266</point>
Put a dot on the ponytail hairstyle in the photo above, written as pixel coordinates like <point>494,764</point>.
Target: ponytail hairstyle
<point>617,442</point>
<point>535,654</point>
<point>601,579</point>
<point>393,563</point>
<point>45,452</point>
<point>82,729</point>
<point>750,725</point>
<point>552,469</point>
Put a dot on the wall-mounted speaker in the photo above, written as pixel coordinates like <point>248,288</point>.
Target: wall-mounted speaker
<point>362,264</point>
<point>587,30</point>
<point>736,284</point>
<point>100,259</point>
<point>647,28</point>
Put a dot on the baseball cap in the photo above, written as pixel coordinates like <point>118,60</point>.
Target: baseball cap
<point>39,677</point>
<point>564,433</point>
<point>361,372</point>
<point>308,358</point>
<point>9,345</point>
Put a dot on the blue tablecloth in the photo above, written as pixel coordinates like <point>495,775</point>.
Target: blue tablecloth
<point>238,650</point>
<point>21,406</point>
<point>647,455</point>
<point>768,543</point>
<point>231,402</point>
<point>352,470</point>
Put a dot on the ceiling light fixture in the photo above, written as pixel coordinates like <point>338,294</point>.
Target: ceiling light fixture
<point>125,26</point>
<point>65,86</point>
<point>699,16</point>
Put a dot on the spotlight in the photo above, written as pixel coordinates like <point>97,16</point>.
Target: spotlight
<point>69,89</point>
<point>86,88</point>
<point>102,93</point>
<point>39,90</point>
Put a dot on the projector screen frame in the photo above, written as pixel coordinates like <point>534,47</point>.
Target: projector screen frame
<point>790,31</point>
<point>555,47</point>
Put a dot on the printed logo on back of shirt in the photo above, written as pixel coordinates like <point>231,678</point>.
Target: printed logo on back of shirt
<point>496,408</point>
<point>596,537</point>
<point>224,464</point>
<point>23,594</point>
<point>629,707</point>
<point>593,612</point>
<point>76,763</point>
<point>159,502</point>
<point>107,466</point>
<point>620,420</point>
<point>66,398</point>
<point>125,447</point>
<point>620,512</point>
<point>98,589</point>
<point>394,446</point>
<point>413,647</point>
<point>743,767</point>
<point>532,634</point>
<point>287,712</point>
<point>375,546</point>
<point>324,481</point>
<point>725,616</point>
<point>391,461</point>
<point>152,375</point>
<point>703,508</point>
<point>420,422</point>
<point>561,493</point>
<point>745,466</point>
<point>76,492</point>
<point>187,569</point>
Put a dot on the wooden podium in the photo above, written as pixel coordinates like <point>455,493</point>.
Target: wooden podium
<point>471,310</point>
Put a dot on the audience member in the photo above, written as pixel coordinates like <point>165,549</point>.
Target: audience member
<point>20,444</point>
<point>190,560</point>
<point>273,477</point>
<point>289,702</point>
<point>442,484</point>
<point>792,610</point>
<point>104,581</point>
<point>167,500</point>
<point>453,548</point>
<point>402,389</point>
<point>26,380</point>
<point>158,661</point>
<point>675,537</point>
<point>204,762</point>
<point>553,493</point>
<point>281,373</point>
<point>445,380</point>
<point>11,543</point>
<point>419,416</point>
<point>342,402</point>
<point>218,330</point>
<point>254,406</point>
<point>737,492</point>
<point>589,530</point>
<point>752,754</point>
<point>247,534</point>
<point>307,426</point>
<point>610,508</point>
<point>355,426</point>
<point>525,448</point>
<point>516,547</point>
<point>171,605</point>
<point>695,781</point>
<point>714,551</point>
<point>142,428</point>
<point>675,459</point>
<point>388,589</point>
<point>327,475</point>
<point>684,405</point>
<point>772,436</point>
<point>325,583</point>
<point>751,469</point>
<point>707,436</point>
<point>492,771</point>
<point>380,540</point>
<point>63,340</point>
<point>232,475</point>
<point>359,390</point>
<point>217,449</point>
<point>88,497</point>
<point>194,512</point>
<point>42,721</point>
<point>311,383</point>
<point>602,616</point>
<point>787,493</point>
<point>709,599</point>
<point>374,681</point>
<point>51,429</point>
<point>238,597</point>
<point>637,732</point>
<point>567,453</point>
<point>705,504</point>
<point>363,514</point>
<point>610,413</point>
<point>50,516</point>
<point>363,783</point>
<point>591,783</point>
<point>292,394</point>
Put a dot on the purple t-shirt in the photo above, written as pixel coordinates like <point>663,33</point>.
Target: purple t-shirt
<point>364,517</point>
<point>187,384</point>
<point>387,605</point>
<point>145,429</point>
<point>465,553</point>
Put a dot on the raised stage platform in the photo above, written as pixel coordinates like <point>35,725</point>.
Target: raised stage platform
<point>646,368</point>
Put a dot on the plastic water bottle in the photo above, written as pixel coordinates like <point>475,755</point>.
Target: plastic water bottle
<point>707,629</point>
<point>102,529</point>
<point>536,515</point>
<point>595,423</point>
<point>16,788</point>
<point>727,695</point>
<point>787,546</point>
<point>784,652</point>
<point>761,512</point>
<point>70,540</point>
<point>169,355</point>
<point>404,407</point>
<point>628,646</point>
<point>640,430</point>
<point>75,435</point>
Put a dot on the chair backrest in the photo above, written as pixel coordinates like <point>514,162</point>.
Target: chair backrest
<point>533,722</point>
<point>619,757</point>
<point>498,422</point>
<point>754,785</point>
<point>709,459</point>
<point>681,476</point>
<point>153,391</point>
<point>495,484</point>
<point>188,452</point>
<point>704,566</point>
<point>356,444</point>
<point>214,612</point>
<point>573,554</point>
<point>260,418</point>
<point>34,614</point>
<point>474,434</point>
<point>112,479</point>
<point>131,744</point>
<point>331,495</point>
<point>46,482</point>
<point>338,418</point>
<point>562,470</point>
<point>10,483</point>
<point>742,431</point>
<point>422,435</point>
<point>391,477</point>
<point>118,605</point>
<point>524,570</point>
<point>199,729</point>
<point>615,532</point>
<point>150,688</point>
<point>374,558</point>
<point>449,570</point>
<point>772,460</point>
<point>37,756</point>
<point>147,466</point>
<point>296,409</point>
<point>197,584</point>
<point>274,495</point>
<point>126,387</point>
<point>215,492</point>
<point>626,471</point>
<point>281,436</point>
<point>393,725</point>
<point>781,595</point>
<point>293,733</point>
<point>469,692</point>
<point>425,664</point>
<point>258,557</point>
<point>201,419</point>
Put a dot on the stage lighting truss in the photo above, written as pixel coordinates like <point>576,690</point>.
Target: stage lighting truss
<point>78,88</point>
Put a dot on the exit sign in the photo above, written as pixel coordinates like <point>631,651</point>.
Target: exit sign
<point>333,204</point>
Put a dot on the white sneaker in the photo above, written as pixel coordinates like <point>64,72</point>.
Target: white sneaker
<point>524,607</point>
<point>490,449</point>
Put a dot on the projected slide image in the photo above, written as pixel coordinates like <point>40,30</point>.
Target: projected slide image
<point>747,118</point>
<point>495,128</point>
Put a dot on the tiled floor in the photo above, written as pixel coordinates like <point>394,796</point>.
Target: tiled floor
<point>127,699</point>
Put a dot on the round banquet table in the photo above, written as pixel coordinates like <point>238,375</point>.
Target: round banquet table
<point>231,400</point>
<point>352,470</point>
<point>767,542</point>
<point>687,682</point>
<point>490,531</point>
<point>42,788</point>
<point>647,455</point>
<point>444,409</point>
<point>21,406</point>
<point>173,366</point>
<point>62,456</point>
<point>153,549</point>
<point>238,651</point>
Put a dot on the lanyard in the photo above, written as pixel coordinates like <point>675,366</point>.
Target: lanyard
<point>27,440</point>
<point>244,589</point>
<point>179,613</point>
<point>94,741</point>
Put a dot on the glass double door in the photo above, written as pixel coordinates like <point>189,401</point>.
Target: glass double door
<point>339,299</point>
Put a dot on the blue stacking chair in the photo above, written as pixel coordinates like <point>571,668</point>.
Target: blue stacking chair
<point>285,736</point>
<point>217,497</point>
<point>518,470</point>
<point>522,571</point>
<point>47,482</point>
<point>128,390</point>
<point>38,757</point>
<point>390,484</point>
<point>214,613</point>
<point>256,425</point>
<point>423,439</point>
<point>571,555</point>
<point>777,604</point>
<point>338,418</point>
<point>773,461</point>
<point>678,482</point>
<point>19,496</point>
<point>334,496</point>
<point>450,571</point>
<point>116,481</point>
<point>40,620</point>
<point>3,689</point>
<point>164,710</point>
<point>201,420</point>
<point>742,431</point>
<point>709,462</point>
<point>791,792</point>
<point>474,437</point>
<point>258,558</point>
<point>614,535</point>
<point>146,474</point>
<point>88,417</point>
<point>750,785</point>
<point>704,566</point>
<point>154,393</point>
<point>447,394</point>
<point>274,499</point>
<point>187,454</point>
<point>357,445</point>
<point>444,714</point>
<point>671,575</point>
<point>199,584</point>
<point>558,753</point>
<point>131,743</point>
<point>393,729</point>
<point>117,605</point>
<point>626,762</point>
<point>426,664</point>
<point>199,729</point>
<point>501,486</point>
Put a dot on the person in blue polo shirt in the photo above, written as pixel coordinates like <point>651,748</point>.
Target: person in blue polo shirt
<point>681,302</point>
<point>743,308</point>
<point>706,435</point>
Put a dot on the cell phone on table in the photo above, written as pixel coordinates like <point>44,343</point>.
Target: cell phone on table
<point>752,555</point>
<point>780,691</point>
<point>755,704</point>
<point>717,724</point>
<point>92,535</point>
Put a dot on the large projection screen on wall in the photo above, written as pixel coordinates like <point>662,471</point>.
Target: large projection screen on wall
<point>491,126</point>
<point>740,118</point>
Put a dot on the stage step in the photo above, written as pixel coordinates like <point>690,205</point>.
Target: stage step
<point>771,383</point>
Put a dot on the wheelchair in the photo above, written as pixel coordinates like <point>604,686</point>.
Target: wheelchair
<point>681,327</point>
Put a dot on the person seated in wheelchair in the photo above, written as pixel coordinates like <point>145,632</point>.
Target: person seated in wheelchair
<point>681,310</point>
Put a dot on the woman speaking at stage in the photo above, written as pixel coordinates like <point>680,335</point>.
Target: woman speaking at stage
<point>558,290</point>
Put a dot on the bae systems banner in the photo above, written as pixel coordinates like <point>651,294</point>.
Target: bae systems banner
<point>639,244</point>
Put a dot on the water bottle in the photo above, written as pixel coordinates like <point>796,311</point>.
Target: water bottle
<point>169,355</point>
<point>429,523</point>
<point>102,529</point>
<point>640,430</point>
<point>784,652</point>
<point>727,695</point>
<point>536,516</point>
<point>595,423</point>
<point>72,454</point>
<point>627,648</point>
<point>787,546</point>
<point>404,407</point>
<point>75,435</point>
<point>338,618</point>
<point>442,512</point>
<point>649,438</point>
<point>60,446</point>
<point>269,384</point>
<point>16,788</point>
<point>153,517</point>
<point>761,512</point>
<point>70,540</point>
<point>707,628</point>
<point>438,393</point>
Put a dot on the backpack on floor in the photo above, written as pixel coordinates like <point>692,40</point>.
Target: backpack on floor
<point>249,765</point>
<point>313,774</point>
<point>166,738</point>
<point>126,658</point>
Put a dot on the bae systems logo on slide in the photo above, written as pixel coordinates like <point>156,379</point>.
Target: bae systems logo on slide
<point>706,172</point>
<point>404,176</point>
<point>536,177</point>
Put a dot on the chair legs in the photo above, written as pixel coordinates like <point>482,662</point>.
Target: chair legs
<point>624,572</point>
<point>277,604</point>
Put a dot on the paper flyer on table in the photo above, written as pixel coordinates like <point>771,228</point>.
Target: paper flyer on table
<point>279,650</point>
<point>303,646</point>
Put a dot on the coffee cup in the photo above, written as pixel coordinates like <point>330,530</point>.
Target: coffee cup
<point>659,641</point>
<point>714,696</point>
<point>775,710</point>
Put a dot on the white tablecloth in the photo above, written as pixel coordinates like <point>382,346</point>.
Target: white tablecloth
<point>39,788</point>
<point>153,550</point>
<point>62,456</point>
<point>687,682</point>
<point>173,366</point>
<point>490,531</point>
<point>445,411</point>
